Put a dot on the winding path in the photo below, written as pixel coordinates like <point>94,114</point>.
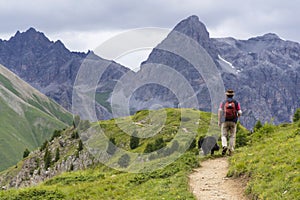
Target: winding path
<point>209,182</point>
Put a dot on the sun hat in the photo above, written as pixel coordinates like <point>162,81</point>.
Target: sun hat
<point>229,93</point>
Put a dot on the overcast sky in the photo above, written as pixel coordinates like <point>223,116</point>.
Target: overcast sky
<point>82,25</point>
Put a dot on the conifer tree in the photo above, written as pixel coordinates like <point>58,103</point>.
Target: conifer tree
<point>26,153</point>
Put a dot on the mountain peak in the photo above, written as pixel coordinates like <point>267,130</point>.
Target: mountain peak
<point>193,18</point>
<point>193,28</point>
<point>31,30</point>
<point>267,37</point>
<point>271,36</point>
<point>30,34</point>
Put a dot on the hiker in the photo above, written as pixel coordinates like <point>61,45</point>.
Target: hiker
<point>228,114</point>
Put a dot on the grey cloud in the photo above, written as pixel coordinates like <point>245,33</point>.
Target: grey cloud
<point>249,16</point>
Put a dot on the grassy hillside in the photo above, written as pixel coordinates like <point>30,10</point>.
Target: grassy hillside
<point>271,162</point>
<point>27,118</point>
<point>102,182</point>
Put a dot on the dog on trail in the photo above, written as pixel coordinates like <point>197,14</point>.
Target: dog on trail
<point>208,144</point>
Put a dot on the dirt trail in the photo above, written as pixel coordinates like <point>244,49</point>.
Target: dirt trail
<point>210,182</point>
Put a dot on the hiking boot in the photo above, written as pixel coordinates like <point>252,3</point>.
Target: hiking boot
<point>224,151</point>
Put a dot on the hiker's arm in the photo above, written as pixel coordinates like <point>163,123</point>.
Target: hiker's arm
<point>239,110</point>
<point>219,116</point>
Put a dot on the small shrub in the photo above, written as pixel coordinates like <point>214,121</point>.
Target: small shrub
<point>26,153</point>
<point>149,148</point>
<point>257,126</point>
<point>75,135</point>
<point>241,136</point>
<point>77,154</point>
<point>296,116</point>
<point>56,133</point>
<point>80,146</point>
<point>37,194</point>
<point>47,159</point>
<point>134,141</point>
<point>76,121</point>
<point>266,130</point>
<point>158,144</point>
<point>71,167</point>
<point>57,155</point>
<point>44,145</point>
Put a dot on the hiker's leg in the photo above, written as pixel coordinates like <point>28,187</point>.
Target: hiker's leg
<point>232,136</point>
<point>224,133</point>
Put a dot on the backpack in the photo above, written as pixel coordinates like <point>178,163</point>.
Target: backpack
<point>230,110</point>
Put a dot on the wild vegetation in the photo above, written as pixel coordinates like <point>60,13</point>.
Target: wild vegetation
<point>102,182</point>
<point>270,162</point>
<point>27,118</point>
<point>268,159</point>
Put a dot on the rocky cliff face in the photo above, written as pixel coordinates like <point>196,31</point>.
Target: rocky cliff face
<point>34,169</point>
<point>264,71</point>
<point>50,67</point>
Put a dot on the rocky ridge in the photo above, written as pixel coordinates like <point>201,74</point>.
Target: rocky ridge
<point>264,71</point>
<point>35,168</point>
<point>51,68</point>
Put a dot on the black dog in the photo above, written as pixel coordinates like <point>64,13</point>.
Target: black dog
<point>208,144</point>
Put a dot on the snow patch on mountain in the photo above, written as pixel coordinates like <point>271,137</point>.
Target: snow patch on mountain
<point>228,66</point>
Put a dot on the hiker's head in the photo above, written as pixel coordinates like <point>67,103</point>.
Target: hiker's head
<point>229,93</point>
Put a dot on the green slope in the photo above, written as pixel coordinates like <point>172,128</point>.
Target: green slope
<point>271,162</point>
<point>27,118</point>
<point>102,182</point>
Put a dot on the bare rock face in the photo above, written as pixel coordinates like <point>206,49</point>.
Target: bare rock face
<point>267,71</point>
<point>264,71</point>
<point>51,68</point>
<point>32,170</point>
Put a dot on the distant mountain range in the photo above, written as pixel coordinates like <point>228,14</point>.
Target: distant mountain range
<point>264,71</point>
<point>51,68</point>
<point>27,118</point>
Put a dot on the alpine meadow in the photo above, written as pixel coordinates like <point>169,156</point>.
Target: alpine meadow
<point>130,135</point>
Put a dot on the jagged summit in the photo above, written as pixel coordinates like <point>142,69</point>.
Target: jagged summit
<point>31,34</point>
<point>193,27</point>
<point>271,36</point>
<point>197,30</point>
<point>267,37</point>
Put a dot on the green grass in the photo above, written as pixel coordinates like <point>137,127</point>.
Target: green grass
<point>271,162</point>
<point>19,132</point>
<point>7,83</point>
<point>268,159</point>
<point>102,182</point>
<point>25,121</point>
